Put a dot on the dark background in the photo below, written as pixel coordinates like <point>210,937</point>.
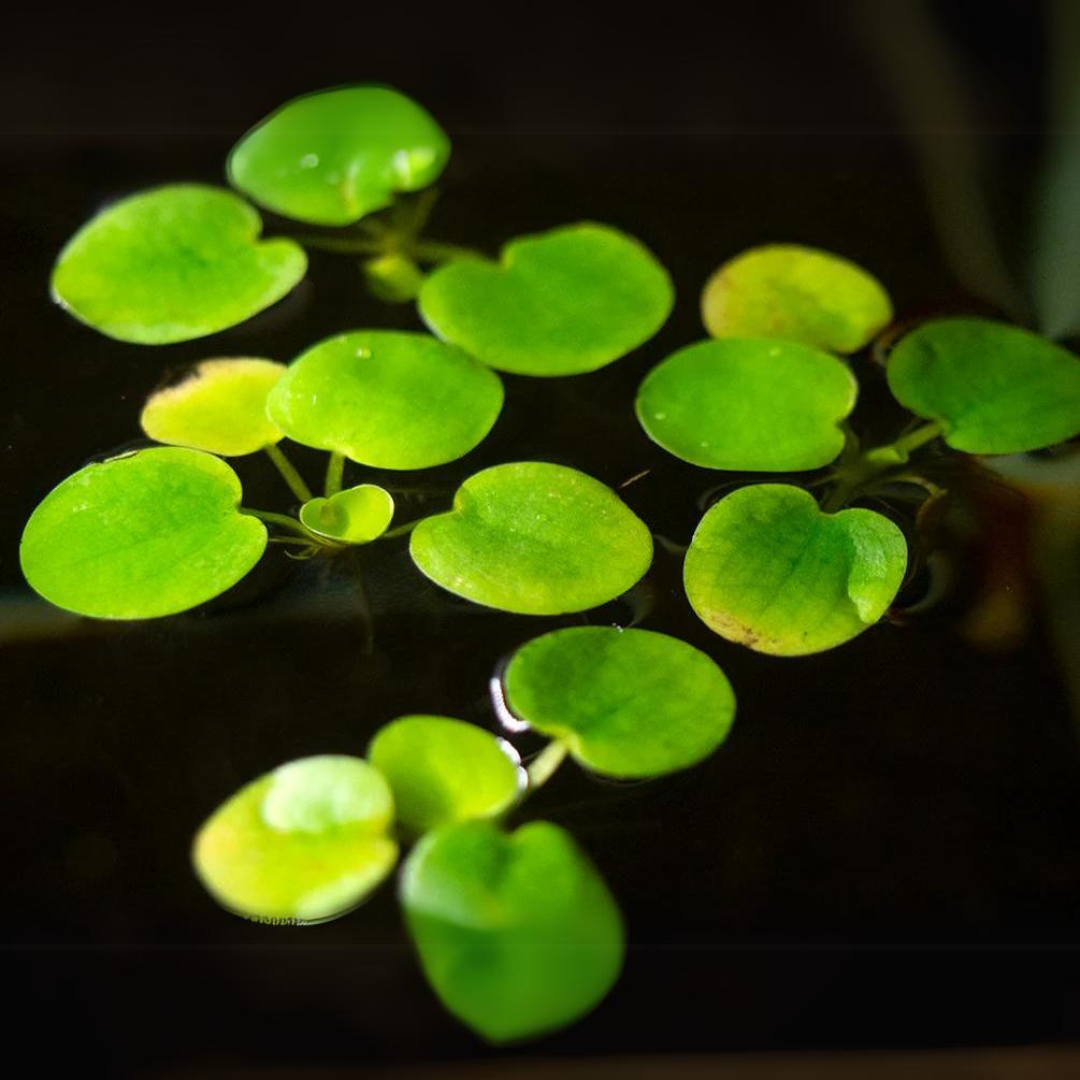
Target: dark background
<point>884,853</point>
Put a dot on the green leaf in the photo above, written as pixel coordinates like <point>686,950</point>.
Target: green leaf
<point>173,264</point>
<point>797,294</point>
<point>385,399</point>
<point>768,569</point>
<point>330,157</point>
<point>748,404</point>
<point>220,408</point>
<point>443,771</point>
<point>627,703</point>
<point>357,515</point>
<point>517,934</point>
<point>394,279</point>
<point>141,535</point>
<point>304,843</point>
<point>534,538</point>
<point>993,388</point>
<point>560,303</point>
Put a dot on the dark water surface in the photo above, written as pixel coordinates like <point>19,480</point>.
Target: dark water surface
<point>885,852</point>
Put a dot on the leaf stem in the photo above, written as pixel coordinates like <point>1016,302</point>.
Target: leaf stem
<point>400,530</point>
<point>288,472</point>
<point>870,464</point>
<point>542,767</point>
<point>342,245</point>
<point>271,518</point>
<point>434,251</point>
<point>335,472</point>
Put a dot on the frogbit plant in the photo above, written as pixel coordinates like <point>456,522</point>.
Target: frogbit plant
<point>514,927</point>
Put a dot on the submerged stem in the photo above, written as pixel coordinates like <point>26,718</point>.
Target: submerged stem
<point>335,471</point>
<point>543,766</point>
<point>288,472</point>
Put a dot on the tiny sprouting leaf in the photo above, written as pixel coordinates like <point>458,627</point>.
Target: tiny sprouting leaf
<point>387,399</point>
<point>751,404</point>
<point>304,843</point>
<point>517,932</point>
<point>330,157</point>
<point>394,279</point>
<point>173,264</point>
<point>443,771</point>
<point>768,569</point>
<point>141,535</point>
<point>798,294</point>
<point>357,515</point>
<point>220,407</point>
<point>560,303</point>
<point>993,388</point>
<point>627,703</point>
<point>534,538</point>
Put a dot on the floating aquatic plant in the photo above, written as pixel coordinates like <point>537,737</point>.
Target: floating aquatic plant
<point>514,927</point>
<point>173,264</point>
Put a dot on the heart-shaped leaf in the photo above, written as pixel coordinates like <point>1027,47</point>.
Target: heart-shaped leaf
<point>536,539</point>
<point>220,408</point>
<point>173,264</point>
<point>627,703</point>
<point>798,294</point>
<point>749,404</point>
<point>517,933</point>
<point>443,771</point>
<point>142,535</point>
<point>385,399</point>
<point>560,303</point>
<point>993,388</point>
<point>357,515</point>
<point>333,156</point>
<point>768,569</point>
<point>304,843</point>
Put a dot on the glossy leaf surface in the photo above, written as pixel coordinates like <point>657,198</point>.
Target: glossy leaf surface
<point>534,538</point>
<point>749,404</point>
<point>797,294</point>
<point>304,843</point>
<point>443,771</point>
<point>142,535</point>
<point>627,703</point>
<point>993,388</point>
<point>330,157</point>
<point>386,399</point>
<point>220,408</point>
<point>517,933</point>
<point>173,264</point>
<point>768,569</point>
<point>357,515</point>
<point>559,303</point>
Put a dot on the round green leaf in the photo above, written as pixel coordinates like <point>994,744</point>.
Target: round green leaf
<point>141,535</point>
<point>768,569</point>
<point>798,294</point>
<point>563,302</point>
<point>443,771</point>
<point>221,408</point>
<point>536,539</point>
<point>173,264</point>
<point>385,399</point>
<point>355,516</point>
<point>331,157</point>
<point>748,403</point>
<point>993,388</point>
<point>517,933</point>
<point>627,703</point>
<point>304,843</point>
